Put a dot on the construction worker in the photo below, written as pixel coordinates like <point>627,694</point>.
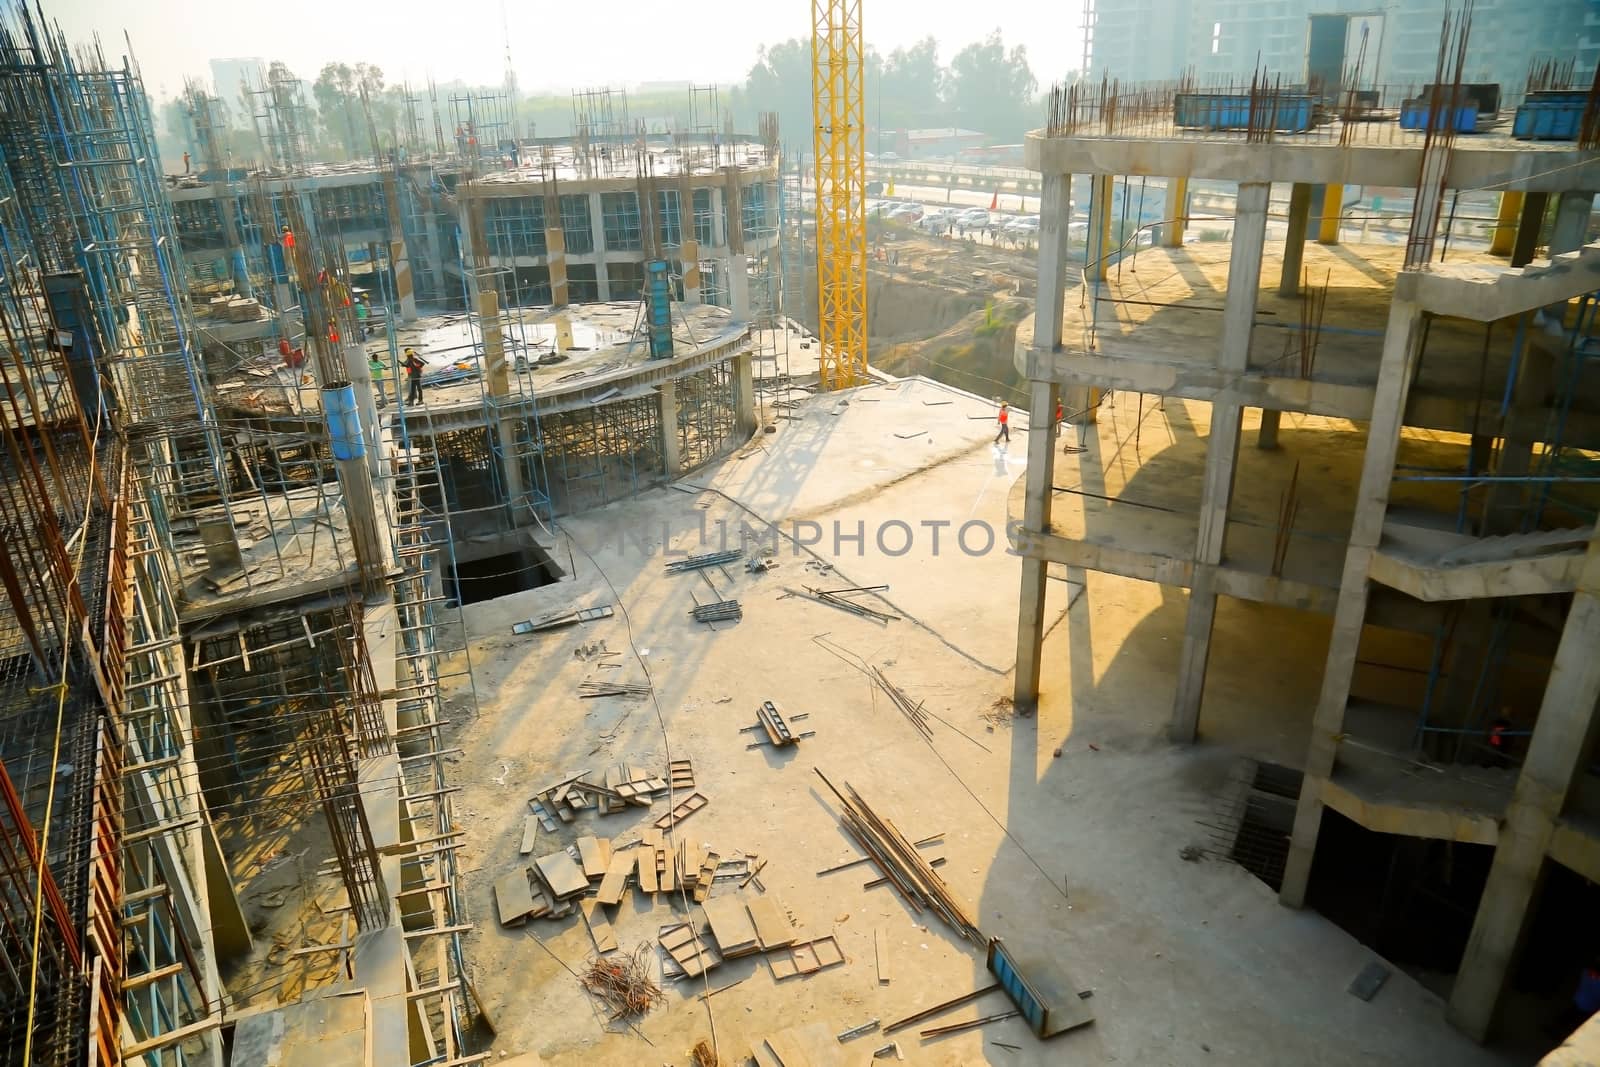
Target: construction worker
<point>376,366</point>
<point>1004,418</point>
<point>361,316</point>
<point>287,239</point>
<point>414,367</point>
<point>186,163</point>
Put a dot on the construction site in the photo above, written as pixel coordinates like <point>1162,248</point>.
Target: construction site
<point>626,597</point>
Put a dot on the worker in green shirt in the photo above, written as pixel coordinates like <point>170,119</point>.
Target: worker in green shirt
<point>375,363</point>
<point>361,316</point>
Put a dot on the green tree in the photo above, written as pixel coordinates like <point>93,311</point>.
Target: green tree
<point>338,91</point>
<point>993,90</point>
<point>779,81</point>
<point>911,88</point>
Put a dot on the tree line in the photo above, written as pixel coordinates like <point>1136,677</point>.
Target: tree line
<point>986,86</point>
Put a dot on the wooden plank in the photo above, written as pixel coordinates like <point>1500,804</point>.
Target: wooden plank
<point>809,957</point>
<point>928,1013</point>
<point>730,924</point>
<point>513,897</point>
<point>615,882</point>
<point>648,877</point>
<point>564,877</point>
<point>787,1050</point>
<point>530,831</point>
<point>880,945</point>
<point>685,808</point>
<point>773,928</point>
<point>599,929</point>
<point>593,854</point>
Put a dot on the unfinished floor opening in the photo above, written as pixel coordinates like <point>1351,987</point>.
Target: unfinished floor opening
<point>1410,899</point>
<point>488,577</point>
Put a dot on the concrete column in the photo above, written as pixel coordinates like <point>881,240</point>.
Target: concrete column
<point>597,227</point>
<point>404,286</point>
<point>1396,367</point>
<point>671,454</point>
<point>1528,227</point>
<point>1222,455</point>
<point>1554,763</point>
<point>1035,517</point>
<point>733,202</point>
<point>555,243</point>
<point>1177,212</point>
<point>1099,245</point>
<point>1294,245</point>
<point>1332,209</point>
<point>1267,436</point>
<point>719,231</point>
<point>497,377</point>
<point>1505,502</point>
<point>1572,222</point>
<point>602,279</point>
<point>744,392</point>
<point>1505,223</point>
<point>1055,215</point>
<point>739,286</point>
<point>689,265</point>
<point>359,372</point>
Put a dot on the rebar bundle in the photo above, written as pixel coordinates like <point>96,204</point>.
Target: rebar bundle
<point>624,984</point>
<point>710,559</point>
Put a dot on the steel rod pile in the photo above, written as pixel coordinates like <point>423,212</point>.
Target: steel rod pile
<point>912,712</point>
<point>710,559</point>
<point>721,611</point>
<point>838,599</point>
<point>587,690</point>
<point>624,983</point>
<point>900,862</point>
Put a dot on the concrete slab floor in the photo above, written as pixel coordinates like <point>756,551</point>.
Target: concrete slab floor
<point>1190,963</point>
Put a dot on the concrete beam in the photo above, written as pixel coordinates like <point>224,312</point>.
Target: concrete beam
<point>1401,348</point>
<point>1227,579</point>
<point>1555,761</point>
<point>1557,170</point>
<point>1490,293</point>
<point>1576,846</point>
<point>1435,822</point>
<point>1534,576</point>
<point>1139,369</point>
<point>1036,518</point>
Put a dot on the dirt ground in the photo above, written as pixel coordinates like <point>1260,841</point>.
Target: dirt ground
<point>1063,831</point>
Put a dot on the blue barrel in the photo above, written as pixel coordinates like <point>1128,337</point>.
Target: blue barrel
<point>344,422</point>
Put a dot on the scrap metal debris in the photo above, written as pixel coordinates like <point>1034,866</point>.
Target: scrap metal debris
<point>624,984</point>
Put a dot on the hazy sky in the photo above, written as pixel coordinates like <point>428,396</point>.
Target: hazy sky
<point>553,44</point>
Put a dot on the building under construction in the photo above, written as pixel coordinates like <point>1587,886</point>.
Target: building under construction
<point>222,665</point>
<point>1400,436</point>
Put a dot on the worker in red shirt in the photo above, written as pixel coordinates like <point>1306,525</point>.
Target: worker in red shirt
<point>1004,419</point>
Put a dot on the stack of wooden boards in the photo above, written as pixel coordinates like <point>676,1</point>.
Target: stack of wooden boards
<point>735,925</point>
<point>624,786</point>
<point>604,870</point>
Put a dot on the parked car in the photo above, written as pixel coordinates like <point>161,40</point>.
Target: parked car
<point>909,213</point>
<point>1023,226</point>
<point>973,216</point>
<point>939,220</point>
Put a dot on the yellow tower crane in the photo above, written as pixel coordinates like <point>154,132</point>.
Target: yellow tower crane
<point>838,107</point>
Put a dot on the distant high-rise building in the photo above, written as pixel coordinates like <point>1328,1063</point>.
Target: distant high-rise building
<point>227,76</point>
<point>1396,45</point>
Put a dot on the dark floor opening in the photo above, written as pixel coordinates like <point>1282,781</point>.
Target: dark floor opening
<point>1410,899</point>
<point>1262,844</point>
<point>477,580</point>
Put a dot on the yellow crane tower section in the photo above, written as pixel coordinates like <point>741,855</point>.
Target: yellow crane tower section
<point>838,140</point>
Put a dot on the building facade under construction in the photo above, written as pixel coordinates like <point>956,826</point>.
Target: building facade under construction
<point>1398,437</point>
